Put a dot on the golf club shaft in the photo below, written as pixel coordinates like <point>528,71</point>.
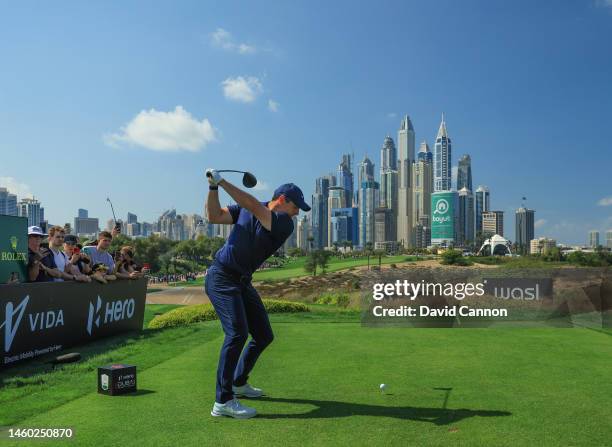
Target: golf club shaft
<point>225,170</point>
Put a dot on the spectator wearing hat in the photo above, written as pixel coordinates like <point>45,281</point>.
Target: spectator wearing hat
<point>78,262</point>
<point>41,266</point>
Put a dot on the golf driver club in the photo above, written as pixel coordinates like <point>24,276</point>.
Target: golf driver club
<point>248,180</point>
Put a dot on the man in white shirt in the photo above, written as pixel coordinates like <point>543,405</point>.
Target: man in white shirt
<point>56,239</point>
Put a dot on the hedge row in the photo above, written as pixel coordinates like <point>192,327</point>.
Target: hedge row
<point>182,316</point>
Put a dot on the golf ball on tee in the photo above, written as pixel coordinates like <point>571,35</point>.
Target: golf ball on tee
<point>383,387</point>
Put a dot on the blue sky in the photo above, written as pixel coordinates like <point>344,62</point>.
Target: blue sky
<point>133,100</point>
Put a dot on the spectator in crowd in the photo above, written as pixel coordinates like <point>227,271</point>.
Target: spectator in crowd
<point>56,240</point>
<point>125,267</point>
<point>41,266</point>
<point>102,262</point>
<point>78,263</point>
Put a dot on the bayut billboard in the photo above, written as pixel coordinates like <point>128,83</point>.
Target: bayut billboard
<point>443,217</point>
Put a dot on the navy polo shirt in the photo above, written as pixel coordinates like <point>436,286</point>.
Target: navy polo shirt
<point>250,244</point>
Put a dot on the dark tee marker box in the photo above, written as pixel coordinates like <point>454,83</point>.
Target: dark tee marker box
<point>116,379</point>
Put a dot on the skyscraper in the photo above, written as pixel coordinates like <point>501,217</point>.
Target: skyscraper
<point>132,218</point>
<point>482,205</point>
<point>31,209</point>
<point>594,239</point>
<point>336,199</point>
<point>524,228</point>
<point>405,138</point>
<point>85,225</point>
<point>609,238</point>
<point>345,179</point>
<point>493,223</point>
<point>368,200</point>
<point>465,225</point>
<point>388,155</point>
<point>422,187</point>
<point>319,211</point>
<point>366,171</point>
<point>389,186</point>
<point>464,173</point>
<point>8,203</point>
<point>303,233</point>
<point>345,226</point>
<point>384,223</point>
<point>291,241</point>
<point>442,159</point>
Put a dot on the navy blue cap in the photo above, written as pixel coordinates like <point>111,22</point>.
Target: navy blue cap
<point>293,193</point>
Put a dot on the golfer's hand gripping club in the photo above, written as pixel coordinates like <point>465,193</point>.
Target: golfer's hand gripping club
<point>213,177</point>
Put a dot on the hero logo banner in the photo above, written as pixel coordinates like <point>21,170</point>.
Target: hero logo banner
<point>111,312</point>
<point>38,321</point>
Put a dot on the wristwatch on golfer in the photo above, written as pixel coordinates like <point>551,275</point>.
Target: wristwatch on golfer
<point>213,187</point>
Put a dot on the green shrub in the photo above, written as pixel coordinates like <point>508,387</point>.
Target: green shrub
<point>335,299</point>
<point>454,257</point>
<point>597,259</point>
<point>343,300</point>
<point>393,266</point>
<point>185,315</point>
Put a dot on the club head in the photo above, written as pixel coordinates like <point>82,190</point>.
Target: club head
<point>249,180</point>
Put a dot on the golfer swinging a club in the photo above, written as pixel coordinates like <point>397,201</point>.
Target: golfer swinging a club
<point>259,230</point>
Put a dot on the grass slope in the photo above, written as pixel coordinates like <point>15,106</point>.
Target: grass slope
<point>295,268</point>
<point>469,387</point>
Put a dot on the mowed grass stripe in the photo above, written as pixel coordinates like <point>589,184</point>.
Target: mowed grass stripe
<point>323,379</point>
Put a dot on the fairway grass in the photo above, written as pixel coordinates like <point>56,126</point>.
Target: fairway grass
<point>322,375</point>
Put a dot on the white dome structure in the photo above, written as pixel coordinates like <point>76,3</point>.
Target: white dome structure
<point>495,245</point>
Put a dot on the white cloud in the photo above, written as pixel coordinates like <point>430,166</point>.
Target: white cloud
<point>273,105</point>
<point>242,89</point>
<point>172,131</point>
<point>15,187</point>
<point>223,39</point>
<point>539,223</point>
<point>604,3</point>
<point>606,201</point>
<point>391,115</point>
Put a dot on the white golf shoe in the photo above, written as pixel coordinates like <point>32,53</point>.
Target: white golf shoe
<point>233,408</point>
<point>246,390</point>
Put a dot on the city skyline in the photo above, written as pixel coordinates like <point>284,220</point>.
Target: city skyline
<point>521,87</point>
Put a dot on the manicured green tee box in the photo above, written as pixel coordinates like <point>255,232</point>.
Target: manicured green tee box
<point>322,373</point>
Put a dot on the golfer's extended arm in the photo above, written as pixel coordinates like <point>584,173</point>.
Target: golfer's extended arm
<point>214,212</point>
<point>246,200</point>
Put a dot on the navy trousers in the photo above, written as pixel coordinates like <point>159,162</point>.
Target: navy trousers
<point>241,312</point>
